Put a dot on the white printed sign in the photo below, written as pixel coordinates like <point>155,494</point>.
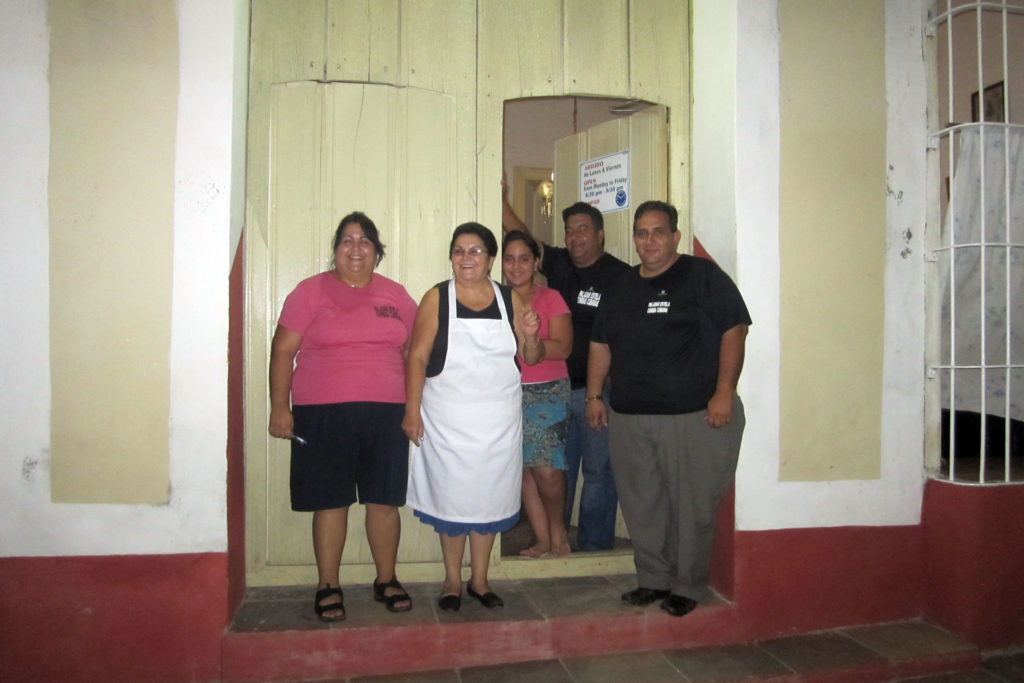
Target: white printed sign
<point>604,182</point>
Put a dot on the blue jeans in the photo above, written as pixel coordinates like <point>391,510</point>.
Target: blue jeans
<point>598,499</point>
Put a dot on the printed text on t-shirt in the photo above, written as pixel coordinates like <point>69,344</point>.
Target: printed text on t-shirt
<point>658,307</point>
<point>588,297</point>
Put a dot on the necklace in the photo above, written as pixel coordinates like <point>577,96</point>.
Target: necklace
<point>354,285</point>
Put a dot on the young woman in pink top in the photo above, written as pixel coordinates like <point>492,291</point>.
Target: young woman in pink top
<point>545,400</point>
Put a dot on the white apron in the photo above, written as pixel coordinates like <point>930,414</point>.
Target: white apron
<point>469,467</point>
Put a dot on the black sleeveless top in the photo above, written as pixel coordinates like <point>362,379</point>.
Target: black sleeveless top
<point>440,350</point>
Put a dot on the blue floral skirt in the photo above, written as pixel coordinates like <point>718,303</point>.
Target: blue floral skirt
<point>546,423</point>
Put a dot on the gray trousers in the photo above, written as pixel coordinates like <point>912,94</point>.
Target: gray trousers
<point>671,472</point>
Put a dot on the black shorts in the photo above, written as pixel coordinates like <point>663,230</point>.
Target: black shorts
<point>350,446</point>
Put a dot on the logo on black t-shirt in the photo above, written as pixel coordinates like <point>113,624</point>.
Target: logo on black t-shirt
<point>588,297</point>
<point>659,305</point>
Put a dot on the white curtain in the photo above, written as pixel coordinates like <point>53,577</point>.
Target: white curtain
<point>976,215</point>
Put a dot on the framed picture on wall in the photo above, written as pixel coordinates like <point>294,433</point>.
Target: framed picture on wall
<point>991,98</point>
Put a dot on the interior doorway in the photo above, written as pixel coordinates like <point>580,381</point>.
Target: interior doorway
<point>532,126</point>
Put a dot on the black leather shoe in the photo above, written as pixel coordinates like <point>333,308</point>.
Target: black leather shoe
<point>450,603</point>
<point>489,600</point>
<point>643,596</point>
<point>678,605</point>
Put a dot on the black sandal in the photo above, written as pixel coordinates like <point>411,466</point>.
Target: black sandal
<point>390,600</point>
<point>319,608</point>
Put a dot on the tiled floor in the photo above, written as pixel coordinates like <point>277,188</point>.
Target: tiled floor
<point>730,663</point>
<point>887,652</point>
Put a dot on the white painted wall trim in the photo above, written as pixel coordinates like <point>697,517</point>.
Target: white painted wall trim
<point>195,518</point>
<point>24,273</point>
<point>895,498</point>
<point>714,116</point>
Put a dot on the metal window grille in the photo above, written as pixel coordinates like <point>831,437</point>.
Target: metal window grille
<point>975,349</point>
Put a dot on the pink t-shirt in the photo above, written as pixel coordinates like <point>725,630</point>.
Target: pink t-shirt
<point>352,340</point>
<point>548,303</point>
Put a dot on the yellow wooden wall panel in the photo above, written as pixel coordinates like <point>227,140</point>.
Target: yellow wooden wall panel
<point>596,39</point>
<point>427,205</point>
<point>438,46</point>
<point>570,151</point>
<point>296,251</point>
<point>439,53</point>
<point>659,72</point>
<point>286,45</point>
<point>647,138</point>
<point>287,42</point>
<point>606,138</point>
<point>659,47</point>
<point>521,49</point>
<point>295,191</point>
<point>361,149</point>
<point>363,41</point>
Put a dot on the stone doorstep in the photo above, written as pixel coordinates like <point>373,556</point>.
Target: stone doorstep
<point>276,636</point>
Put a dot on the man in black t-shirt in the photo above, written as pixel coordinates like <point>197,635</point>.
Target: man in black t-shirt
<point>671,335</point>
<point>582,273</point>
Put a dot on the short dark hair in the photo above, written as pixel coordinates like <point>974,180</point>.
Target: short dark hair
<point>481,231</point>
<point>589,209</point>
<point>656,205</point>
<point>525,238</point>
<point>369,230</point>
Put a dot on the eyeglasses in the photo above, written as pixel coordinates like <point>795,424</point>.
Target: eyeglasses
<point>459,252</point>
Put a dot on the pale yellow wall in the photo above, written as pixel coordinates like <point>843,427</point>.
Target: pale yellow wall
<point>113,99</point>
<point>832,237</point>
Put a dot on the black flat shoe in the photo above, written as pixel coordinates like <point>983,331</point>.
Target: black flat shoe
<point>678,605</point>
<point>643,596</point>
<point>450,603</point>
<point>320,608</point>
<point>391,600</point>
<point>489,600</point>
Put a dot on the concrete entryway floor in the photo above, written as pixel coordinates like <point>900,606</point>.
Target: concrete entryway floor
<point>575,630</point>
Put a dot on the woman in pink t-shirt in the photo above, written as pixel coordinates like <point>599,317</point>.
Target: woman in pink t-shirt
<point>337,390</point>
<point>545,400</point>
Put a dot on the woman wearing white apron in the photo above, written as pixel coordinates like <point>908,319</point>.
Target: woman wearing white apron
<point>464,410</point>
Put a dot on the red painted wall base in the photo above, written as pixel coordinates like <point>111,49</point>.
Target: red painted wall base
<point>974,542</point>
<point>808,579</point>
<point>118,618</point>
<point>163,617</point>
<point>236,431</point>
